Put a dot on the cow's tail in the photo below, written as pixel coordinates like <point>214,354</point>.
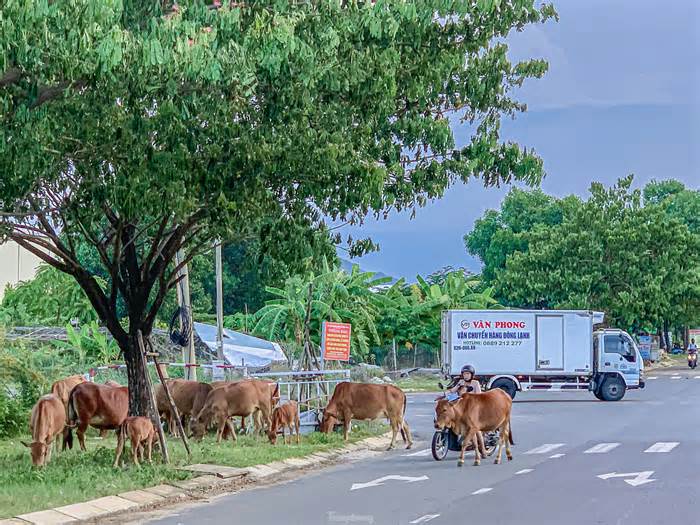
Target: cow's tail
<point>70,423</point>
<point>403,416</point>
<point>510,434</point>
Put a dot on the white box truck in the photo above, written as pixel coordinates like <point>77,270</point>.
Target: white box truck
<point>550,350</point>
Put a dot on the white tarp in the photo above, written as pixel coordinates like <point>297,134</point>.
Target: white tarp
<point>241,349</point>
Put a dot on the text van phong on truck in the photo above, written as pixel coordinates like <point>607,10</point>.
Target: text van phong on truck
<point>549,350</point>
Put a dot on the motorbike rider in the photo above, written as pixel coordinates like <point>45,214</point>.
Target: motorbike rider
<point>466,382</point>
<point>692,347</point>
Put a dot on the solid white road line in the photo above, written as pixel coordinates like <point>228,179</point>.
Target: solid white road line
<point>425,519</point>
<point>544,449</point>
<point>556,456</point>
<point>482,491</point>
<point>425,452</point>
<point>602,448</point>
<point>524,471</point>
<point>662,446</point>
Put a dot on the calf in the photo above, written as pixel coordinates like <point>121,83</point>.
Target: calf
<point>47,421</point>
<point>367,401</point>
<point>475,413</point>
<point>286,416</point>
<point>236,399</point>
<point>140,432</point>
<point>100,406</point>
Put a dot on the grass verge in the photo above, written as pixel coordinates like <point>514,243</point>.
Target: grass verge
<point>418,384</point>
<point>76,476</point>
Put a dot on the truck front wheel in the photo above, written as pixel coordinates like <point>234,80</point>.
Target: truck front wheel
<point>507,385</point>
<point>612,389</point>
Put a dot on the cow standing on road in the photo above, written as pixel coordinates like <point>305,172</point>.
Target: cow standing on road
<point>47,422</point>
<point>475,413</point>
<point>367,402</point>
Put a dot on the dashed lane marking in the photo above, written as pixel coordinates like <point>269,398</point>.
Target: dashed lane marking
<point>524,471</point>
<point>482,491</point>
<point>556,456</point>
<point>602,448</point>
<point>544,449</point>
<point>662,446</point>
<point>425,452</point>
<point>676,377</point>
<point>425,519</point>
<point>650,378</point>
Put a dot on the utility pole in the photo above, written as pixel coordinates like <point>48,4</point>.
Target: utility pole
<point>184,300</point>
<point>219,305</point>
<point>393,353</point>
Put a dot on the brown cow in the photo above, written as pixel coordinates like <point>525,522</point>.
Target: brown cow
<point>63,387</point>
<point>188,396</point>
<point>257,417</point>
<point>475,413</point>
<point>237,399</point>
<point>367,401</point>
<point>286,416</point>
<point>47,422</point>
<point>141,432</point>
<point>101,406</point>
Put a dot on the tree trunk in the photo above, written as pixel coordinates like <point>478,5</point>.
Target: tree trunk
<point>138,390</point>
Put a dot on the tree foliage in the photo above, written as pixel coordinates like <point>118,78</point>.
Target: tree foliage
<point>145,128</point>
<point>611,253</point>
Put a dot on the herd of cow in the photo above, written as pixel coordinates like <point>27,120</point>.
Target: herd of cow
<point>76,404</point>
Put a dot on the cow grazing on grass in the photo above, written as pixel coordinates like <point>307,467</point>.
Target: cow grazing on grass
<point>140,431</point>
<point>367,402</point>
<point>283,417</point>
<point>47,422</point>
<point>239,399</point>
<point>100,406</point>
<point>63,387</point>
<point>258,425</point>
<point>475,413</point>
<point>188,396</point>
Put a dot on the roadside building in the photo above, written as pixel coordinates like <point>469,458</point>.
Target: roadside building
<point>16,264</point>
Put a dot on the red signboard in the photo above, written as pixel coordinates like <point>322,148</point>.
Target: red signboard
<point>336,341</point>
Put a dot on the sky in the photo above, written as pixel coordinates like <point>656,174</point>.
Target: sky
<point>622,96</point>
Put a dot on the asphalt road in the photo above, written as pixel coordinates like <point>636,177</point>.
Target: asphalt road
<point>564,443</point>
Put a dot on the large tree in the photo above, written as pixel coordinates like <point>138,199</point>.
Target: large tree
<point>611,253</point>
<point>145,128</point>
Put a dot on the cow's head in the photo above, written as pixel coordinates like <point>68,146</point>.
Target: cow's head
<point>328,421</point>
<point>199,424</point>
<point>38,451</point>
<point>444,414</point>
<point>275,396</point>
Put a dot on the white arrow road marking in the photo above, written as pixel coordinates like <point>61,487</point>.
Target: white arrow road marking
<point>380,481</point>
<point>524,471</point>
<point>482,491</point>
<point>662,446</point>
<point>556,456</point>
<point>425,519</point>
<point>543,449</point>
<point>640,478</point>
<point>602,448</point>
<point>425,452</point>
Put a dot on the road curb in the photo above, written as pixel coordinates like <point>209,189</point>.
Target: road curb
<point>164,494</point>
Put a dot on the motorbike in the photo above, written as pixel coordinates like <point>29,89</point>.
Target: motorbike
<point>692,359</point>
<point>446,440</point>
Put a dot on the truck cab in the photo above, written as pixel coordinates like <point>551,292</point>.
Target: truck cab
<point>618,364</point>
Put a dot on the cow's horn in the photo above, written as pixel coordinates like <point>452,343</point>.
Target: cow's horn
<point>25,444</point>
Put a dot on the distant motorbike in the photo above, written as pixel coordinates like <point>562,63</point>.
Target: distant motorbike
<point>446,440</point>
<point>692,359</point>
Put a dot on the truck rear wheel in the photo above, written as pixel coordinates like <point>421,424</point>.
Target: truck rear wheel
<point>507,385</point>
<point>612,389</point>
